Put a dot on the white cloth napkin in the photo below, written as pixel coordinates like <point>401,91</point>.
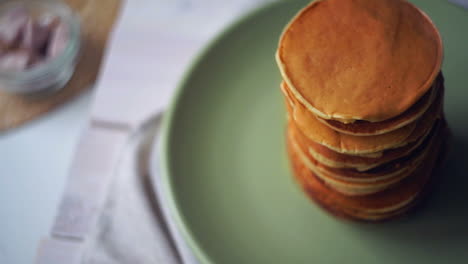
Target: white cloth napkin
<point>131,228</point>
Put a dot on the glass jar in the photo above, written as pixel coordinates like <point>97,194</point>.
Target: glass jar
<point>54,73</point>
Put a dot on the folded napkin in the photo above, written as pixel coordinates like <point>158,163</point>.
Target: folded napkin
<point>131,227</point>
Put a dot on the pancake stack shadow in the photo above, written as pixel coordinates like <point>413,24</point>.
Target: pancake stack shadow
<point>366,129</point>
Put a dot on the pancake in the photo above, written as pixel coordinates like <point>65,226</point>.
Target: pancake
<point>379,206</point>
<point>335,159</point>
<point>359,60</point>
<point>383,170</point>
<point>352,182</point>
<point>359,145</point>
<point>346,187</point>
<point>366,128</point>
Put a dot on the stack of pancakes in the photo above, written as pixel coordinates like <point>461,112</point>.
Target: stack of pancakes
<point>364,95</point>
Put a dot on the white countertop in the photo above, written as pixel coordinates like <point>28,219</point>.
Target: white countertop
<point>34,161</point>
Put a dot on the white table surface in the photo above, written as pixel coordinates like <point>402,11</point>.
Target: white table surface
<point>34,161</point>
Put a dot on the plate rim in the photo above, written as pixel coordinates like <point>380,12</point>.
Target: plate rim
<point>163,147</point>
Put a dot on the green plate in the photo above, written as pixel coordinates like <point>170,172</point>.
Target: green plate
<point>228,179</point>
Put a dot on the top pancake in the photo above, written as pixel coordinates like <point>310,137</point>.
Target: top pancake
<point>359,60</point>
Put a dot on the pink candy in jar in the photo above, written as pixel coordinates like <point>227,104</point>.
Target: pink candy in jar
<point>39,45</point>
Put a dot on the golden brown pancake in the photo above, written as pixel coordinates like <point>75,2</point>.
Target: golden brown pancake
<point>353,182</point>
<point>359,145</point>
<point>350,188</point>
<point>335,159</point>
<point>379,206</point>
<point>359,60</point>
<point>366,128</point>
<point>389,167</point>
